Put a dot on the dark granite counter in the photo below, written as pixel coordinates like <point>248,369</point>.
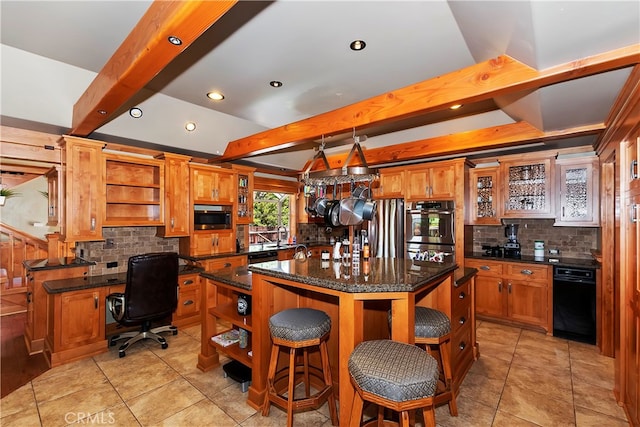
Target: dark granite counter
<point>462,276</point>
<point>89,282</point>
<point>253,250</point>
<point>384,274</point>
<point>55,263</point>
<point>240,277</point>
<point>565,262</point>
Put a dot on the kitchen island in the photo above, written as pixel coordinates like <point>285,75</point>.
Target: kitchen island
<point>356,299</point>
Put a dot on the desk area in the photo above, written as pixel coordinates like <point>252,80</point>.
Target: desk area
<point>357,306</point>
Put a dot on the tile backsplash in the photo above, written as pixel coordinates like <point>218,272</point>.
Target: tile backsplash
<point>121,243</point>
<point>573,242</point>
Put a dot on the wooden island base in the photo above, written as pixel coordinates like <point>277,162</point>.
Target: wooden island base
<point>358,312</point>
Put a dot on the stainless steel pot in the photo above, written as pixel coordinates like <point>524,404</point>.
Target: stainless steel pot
<point>351,211</point>
<point>369,210</point>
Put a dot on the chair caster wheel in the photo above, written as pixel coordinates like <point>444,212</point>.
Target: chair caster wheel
<point>121,354</point>
<point>175,332</point>
<point>164,346</point>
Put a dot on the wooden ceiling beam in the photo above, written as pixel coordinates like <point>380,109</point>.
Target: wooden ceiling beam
<point>142,55</point>
<point>479,82</point>
<point>510,135</point>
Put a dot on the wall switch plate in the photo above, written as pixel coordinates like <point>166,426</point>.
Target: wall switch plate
<point>112,264</point>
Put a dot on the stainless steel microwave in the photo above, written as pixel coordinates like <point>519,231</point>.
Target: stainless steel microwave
<point>212,217</point>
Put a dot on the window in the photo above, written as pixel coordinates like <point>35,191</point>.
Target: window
<point>271,218</point>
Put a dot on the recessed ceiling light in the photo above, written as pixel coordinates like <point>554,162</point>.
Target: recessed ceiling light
<point>455,106</point>
<point>135,112</point>
<point>357,45</point>
<point>174,40</point>
<point>216,96</point>
<point>190,126</point>
<point>275,83</point>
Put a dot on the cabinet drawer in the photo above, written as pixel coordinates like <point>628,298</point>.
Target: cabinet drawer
<point>460,318</point>
<point>461,296</point>
<point>218,263</point>
<point>537,273</point>
<point>189,302</point>
<point>485,268</point>
<point>461,342</point>
<point>190,281</point>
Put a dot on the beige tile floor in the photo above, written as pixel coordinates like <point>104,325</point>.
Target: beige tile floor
<point>522,378</point>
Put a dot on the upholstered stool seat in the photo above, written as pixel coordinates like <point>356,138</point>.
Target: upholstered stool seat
<point>299,328</point>
<point>393,375</point>
<point>433,329</point>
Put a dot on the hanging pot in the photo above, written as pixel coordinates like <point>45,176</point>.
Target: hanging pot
<point>335,214</point>
<point>321,206</point>
<point>369,210</point>
<point>327,211</point>
<point>351,211</point>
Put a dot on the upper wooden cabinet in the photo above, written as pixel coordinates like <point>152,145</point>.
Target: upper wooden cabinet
<point>391,184</point>
<point>244,179</point>
<point>83,189</point>
<point>211,184</point>
<point>526,187</point>
<point>577,191</point>
<point>631,169</point>
<point>54,196</point>
<point>432,181</point>
<point>134,192</point>
<point>484,197</point>
<point>176,197</point>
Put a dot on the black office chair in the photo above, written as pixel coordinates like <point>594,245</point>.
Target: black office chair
<point>151,294</point>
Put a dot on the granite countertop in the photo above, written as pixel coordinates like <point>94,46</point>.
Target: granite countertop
<point>55,263</point>
<point>253,250</point>
<point>461,276</point>
<point>90,282</point>
<point>385,274</point>
<point>563,261</point>
<point>240,277</point>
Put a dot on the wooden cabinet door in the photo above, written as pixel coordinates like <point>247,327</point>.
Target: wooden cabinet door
<point>391,184</point>
<point>630,166</point>
<point>203,185</point>
<point>484,203</point>
<point>82,318</point>
<point>203,244</point>
<point>527,188</point>
<point>53,196</point>
<point>577,192</point>
<point>83,189</point>
<point>489,296</point>
<point>176,200</point>
<point>417,184</point>
<point>225,242</point>
<point>527,302</point>
<point>442,181</point>
<point>226,187</point>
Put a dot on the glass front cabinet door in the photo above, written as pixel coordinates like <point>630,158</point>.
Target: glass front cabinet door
<point>527,188</point>
<point>577,192</point>
<point>484,196</point>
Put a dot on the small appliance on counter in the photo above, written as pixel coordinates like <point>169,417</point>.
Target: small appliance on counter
<point>538,250</point>
<point>512,247</point>
<point>492,251</point>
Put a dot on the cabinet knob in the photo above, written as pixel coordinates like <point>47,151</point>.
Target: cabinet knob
<point>188,302</point>
<point>462,295</point>
<point>462,345</point>
<point>462,320</point>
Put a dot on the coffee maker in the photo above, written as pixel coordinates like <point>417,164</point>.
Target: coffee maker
<point>512,247</point>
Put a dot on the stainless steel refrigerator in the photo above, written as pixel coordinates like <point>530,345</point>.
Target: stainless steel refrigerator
<point>386,229</point>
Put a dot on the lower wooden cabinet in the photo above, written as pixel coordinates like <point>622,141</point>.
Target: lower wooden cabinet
<point>463,338</point>
<point>75,325</point>
<point>516,292</point>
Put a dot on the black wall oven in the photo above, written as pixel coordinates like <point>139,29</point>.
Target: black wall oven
<point>212,217</point>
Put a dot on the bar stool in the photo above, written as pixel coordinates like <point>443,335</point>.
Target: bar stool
<point>299,328</point>
<point>433,329</point>
<point>393,375</point>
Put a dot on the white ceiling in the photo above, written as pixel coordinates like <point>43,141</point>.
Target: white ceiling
<point>52,50</point>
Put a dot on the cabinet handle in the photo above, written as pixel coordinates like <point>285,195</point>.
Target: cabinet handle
<point>634,213</point>
<point>28,297</point>
<point>527,272</point>
<point>93,224</point>
<point>187,282</point>
<point>95,301</point>
<point>462,345</point>
<point>462,295</point>
<point>485,267</point>
<point>172,223</point>
<point>462,320</point>
<point>499,286</point>
<point>634,169</point>
<point>509,287</point>
<point>188,302</point>
<point>227,264</point>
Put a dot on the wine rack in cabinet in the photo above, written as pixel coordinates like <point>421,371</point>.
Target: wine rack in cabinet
<point>134,191</point>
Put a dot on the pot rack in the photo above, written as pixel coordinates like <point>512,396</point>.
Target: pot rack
<point>343,175</point>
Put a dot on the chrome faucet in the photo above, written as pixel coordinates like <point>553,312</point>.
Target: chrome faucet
<point>278,233</point>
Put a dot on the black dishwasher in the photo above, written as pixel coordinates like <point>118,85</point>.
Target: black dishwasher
<point>574,304</point>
